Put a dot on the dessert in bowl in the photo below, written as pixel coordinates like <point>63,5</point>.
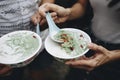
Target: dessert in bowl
<point>74,44</point>
<point>19,48</point>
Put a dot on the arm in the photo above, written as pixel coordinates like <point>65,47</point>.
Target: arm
<point>61,14</point>
<point>78,9</point>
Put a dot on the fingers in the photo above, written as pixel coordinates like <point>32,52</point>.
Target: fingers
<point>83,64</point>
<point>59,20</point>
<point>80,63</point>
<point>102,59</point>
<point>84,67</point>
<point>92,62</point>
<point>100,49</point>
<point>35,18</point>
<point>38,18</point>
<point>47,7</point>
<point>60,12</point>
<point>4,69</point>
<point>53,15</point>
<point>97,48</point>
<point>87,63</point>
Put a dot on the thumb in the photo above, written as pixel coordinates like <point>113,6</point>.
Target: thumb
<point>96,47</point>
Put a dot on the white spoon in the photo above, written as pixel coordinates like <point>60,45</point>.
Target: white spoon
<point>53,28</point>
<point>38,29</point>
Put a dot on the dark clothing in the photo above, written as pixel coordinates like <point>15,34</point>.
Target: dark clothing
<point>41,62</point>
<point>16,74</point>
<point>80,23</point>
<point>110,71</point>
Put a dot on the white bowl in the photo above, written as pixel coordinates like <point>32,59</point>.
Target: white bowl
<point>55,50</point>
<point>19,48</point>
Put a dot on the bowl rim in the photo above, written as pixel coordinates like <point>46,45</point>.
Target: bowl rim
<point>28,57</point>
<point>70,57</point>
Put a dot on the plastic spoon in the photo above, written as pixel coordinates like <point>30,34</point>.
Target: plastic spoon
<point>53,28</point>
<point>38,29</point>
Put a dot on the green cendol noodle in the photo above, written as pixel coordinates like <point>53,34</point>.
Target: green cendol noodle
<point>73,44</point>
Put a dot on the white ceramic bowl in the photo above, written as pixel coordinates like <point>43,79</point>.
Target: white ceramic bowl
<point>55,50</point>
<point>19,48</point>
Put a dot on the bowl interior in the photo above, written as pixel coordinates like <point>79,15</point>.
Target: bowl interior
<point>55,50</point>
<point>19,46</point>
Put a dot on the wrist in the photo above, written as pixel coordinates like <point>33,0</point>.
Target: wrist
<point>115,55</point>
<point>69,13</point>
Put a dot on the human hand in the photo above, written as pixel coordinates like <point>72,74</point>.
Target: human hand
<point>58,13</point>
<point>101,57</point>
<point>4,70</point>
<point>36,18</point>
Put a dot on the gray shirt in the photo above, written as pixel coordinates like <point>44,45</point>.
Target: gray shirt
<point>15,15</point>
<point>106,21</point>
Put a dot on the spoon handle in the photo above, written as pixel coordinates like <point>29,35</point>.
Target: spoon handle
<point>52,25</point>
<point>38,29</point>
